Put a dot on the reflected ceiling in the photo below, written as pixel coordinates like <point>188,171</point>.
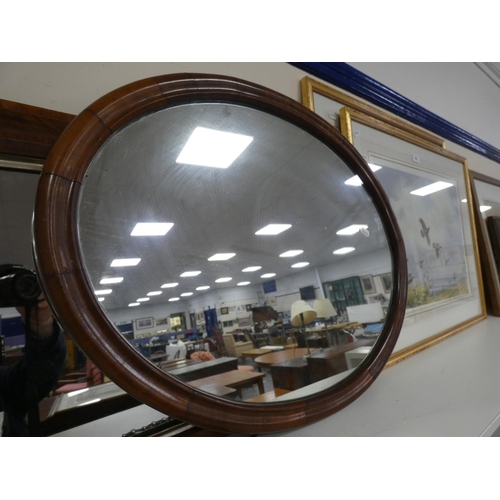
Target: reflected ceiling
<point>284,176</point>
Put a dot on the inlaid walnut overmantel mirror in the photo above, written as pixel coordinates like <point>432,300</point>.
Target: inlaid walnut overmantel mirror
<point>256,199</point>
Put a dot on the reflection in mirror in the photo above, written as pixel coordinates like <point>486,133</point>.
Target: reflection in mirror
<point>204,228</point>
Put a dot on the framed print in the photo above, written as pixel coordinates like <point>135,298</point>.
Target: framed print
<point>161,321</point>
<point>248,307</point>
<point>244,321</point>
<point>141,324</point>
<point>486,203</point>
<point>367,284</point>
<point>386,280</point>
<point>224,310</point>
<point>426,186</point>
<point>272,301</point>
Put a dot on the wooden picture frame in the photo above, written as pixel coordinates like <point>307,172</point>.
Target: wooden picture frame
<point>445,292</point>
<point>224,310</point>
<point>486,193</point>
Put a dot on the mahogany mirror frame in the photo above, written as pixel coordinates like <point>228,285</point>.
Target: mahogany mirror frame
<point>67,287</point>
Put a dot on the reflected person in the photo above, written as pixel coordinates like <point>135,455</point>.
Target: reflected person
<point>33,377</point>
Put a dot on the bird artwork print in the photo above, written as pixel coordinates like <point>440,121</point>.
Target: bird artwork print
<point>425,231</point>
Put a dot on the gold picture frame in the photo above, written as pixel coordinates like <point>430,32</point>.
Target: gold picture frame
<point>441,312</point>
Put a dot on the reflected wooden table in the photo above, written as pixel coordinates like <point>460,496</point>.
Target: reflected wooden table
<point>266,360</point>
<point>234,379</point>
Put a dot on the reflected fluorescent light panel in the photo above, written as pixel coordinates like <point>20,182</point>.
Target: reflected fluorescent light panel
<point>222,256</point>
<point>143,299</point>
<point>174,299</point>
<point>243,283</point>
<point>169,285</point>
<point>352,229</point>
<point>273,229</point>
<point>356,181</point>
<point>431,188</point>
<point>251,269</point>
<point>291,253</point>
<point>223,280</point>
<point>125,262</point>
<point>300,264</point>
<point>103,292</point>
<point>188,274</point>
<point>134,304</point>
<point>151,228</point>
<point>186,294</point>
<point>151,294</point>
<point>344,250</point>
<point>213,148</point>
<point>484,208</point>
<point>268,275</point>
<point>206,287</point>
<point>109,281</point>
<point>101,299</point>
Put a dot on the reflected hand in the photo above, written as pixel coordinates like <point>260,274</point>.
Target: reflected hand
<point>41,322</point>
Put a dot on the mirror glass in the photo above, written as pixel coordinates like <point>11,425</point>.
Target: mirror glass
<point>215,249</point>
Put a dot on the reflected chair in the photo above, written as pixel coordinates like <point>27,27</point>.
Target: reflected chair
<point>235,348</point>
<point>92,376</point>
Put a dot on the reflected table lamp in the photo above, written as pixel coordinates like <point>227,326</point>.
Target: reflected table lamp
<point>325,309</point>
<point>302,314</point>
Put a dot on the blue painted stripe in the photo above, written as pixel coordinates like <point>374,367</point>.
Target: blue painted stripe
<point>348,78</point>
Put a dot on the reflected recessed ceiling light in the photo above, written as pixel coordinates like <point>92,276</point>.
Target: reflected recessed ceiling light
<point>274,229</point>
<point>206,287</point>
<point>108,281</point>
<point>150,294</point>
<point>431,188</point>
<point>484,208</point>
<point>169,285</point>
<point>341,251</point>
<point>101,299</point>
<point>222,256</point>
<point>134,304</point>
<point>243,283</point>
<point>103,292</point>
<point>356,181</point>
<point>173,299</point>
<point>352,229</point>
<point>291,253</point>
<point>144,299</point>
<point>125,262</point>
<point>186,294</point>
<point>300,264</point>
<point>223,280</point>
<point>464,200</point>
<point>251,269</point>
<point>268,275</point>
<point>151,228</point>
<point>213,148</point>
<point>187,274</point>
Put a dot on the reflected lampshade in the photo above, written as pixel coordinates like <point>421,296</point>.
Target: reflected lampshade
<point>324,308</point>
<point>300,307</point>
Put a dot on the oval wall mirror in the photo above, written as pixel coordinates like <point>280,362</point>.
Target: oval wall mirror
<point>206,212</point>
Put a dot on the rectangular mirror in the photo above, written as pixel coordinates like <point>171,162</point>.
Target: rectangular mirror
<point>486,203</point>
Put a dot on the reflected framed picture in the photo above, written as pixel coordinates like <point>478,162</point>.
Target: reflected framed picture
<point>161,321</point>
<point>224,310</point>
<point>367,284</point>
<point>486,202</point>
<point>426,186</point>
<point>386,280</point>
<point>141,324</point>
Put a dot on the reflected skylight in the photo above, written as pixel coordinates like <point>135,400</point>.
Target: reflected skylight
<point>431,188</point>
<point>213,148</point>
<point>151,228</point>
<point>273,229</point>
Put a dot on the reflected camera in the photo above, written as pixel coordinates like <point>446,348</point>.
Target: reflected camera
<point>18,286</point>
